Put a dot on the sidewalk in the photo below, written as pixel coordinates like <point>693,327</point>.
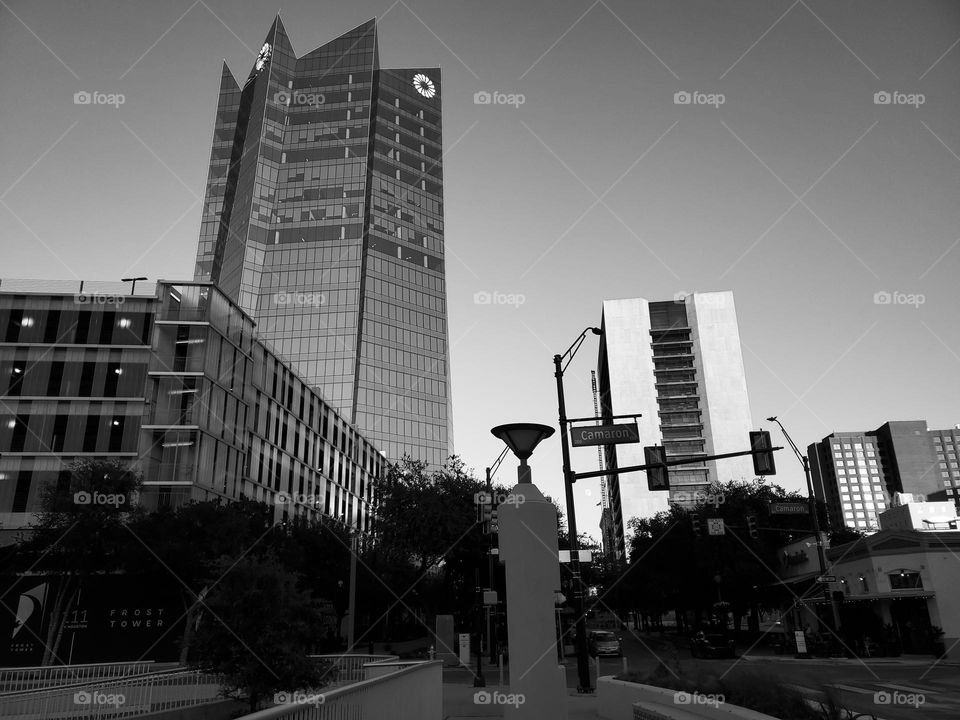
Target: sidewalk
<point>458,701</point>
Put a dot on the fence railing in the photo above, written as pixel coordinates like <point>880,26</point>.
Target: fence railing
<point>343,669</point>
<point>30,678</point>
<point>413,692</point>
<point>114,698</point>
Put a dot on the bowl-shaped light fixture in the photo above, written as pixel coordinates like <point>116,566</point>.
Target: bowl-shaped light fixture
<point>522,438</point>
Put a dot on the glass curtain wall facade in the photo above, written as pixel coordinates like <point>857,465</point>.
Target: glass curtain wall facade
<point>324,222</point>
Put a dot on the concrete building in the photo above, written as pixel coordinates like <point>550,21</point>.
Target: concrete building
<point>907,514</point>
<point>679,364</point>
<point>849,477</point>
<point>857,473</point>
<point>323,221</point>
<point>175,381</point>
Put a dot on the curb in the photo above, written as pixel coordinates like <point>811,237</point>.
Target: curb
<point>848,661</point>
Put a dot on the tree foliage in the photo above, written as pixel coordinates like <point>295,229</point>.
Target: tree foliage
<point>672,569</point>
<point>80,531</point>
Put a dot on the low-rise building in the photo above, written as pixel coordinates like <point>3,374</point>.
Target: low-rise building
<point>175,381</point>
<point>892,590</point>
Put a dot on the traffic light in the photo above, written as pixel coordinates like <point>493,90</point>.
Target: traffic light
<point>695,525</point>
<point>763,461</point>
<point>494,520</point>
<point>657,478</point>
<point>752,528</point>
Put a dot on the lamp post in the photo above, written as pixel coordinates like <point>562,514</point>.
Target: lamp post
<point>133,280</point>
<point>821,557</point>
<point>527,538</point>
<point>583,663</point>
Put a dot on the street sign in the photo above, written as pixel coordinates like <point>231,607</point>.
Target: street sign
<point>827,579</point>
<point>715,526</point>
<point>604,434</point>
<point>789,508</point>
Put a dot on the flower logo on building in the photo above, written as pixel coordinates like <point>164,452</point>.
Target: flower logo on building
<point>424,85</point>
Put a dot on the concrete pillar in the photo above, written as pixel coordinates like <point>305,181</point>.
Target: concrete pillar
<point>528,547</point>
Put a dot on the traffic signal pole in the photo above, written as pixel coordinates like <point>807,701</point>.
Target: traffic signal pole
<point>669,463</point>
<point>569,477</point>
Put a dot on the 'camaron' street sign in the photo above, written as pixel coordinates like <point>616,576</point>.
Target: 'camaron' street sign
<point>604,434</point>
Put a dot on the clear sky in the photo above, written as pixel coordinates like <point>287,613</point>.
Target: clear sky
<point>799,192</point>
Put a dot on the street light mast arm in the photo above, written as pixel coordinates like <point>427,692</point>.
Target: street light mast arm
<point>492,470</point>
<point>575,346</point>
<point>793,445</point>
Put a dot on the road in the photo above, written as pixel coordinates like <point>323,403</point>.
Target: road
<point>912,686</point>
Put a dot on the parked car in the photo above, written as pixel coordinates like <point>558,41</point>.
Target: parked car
<point>604,642</point>
<point>712,646</point>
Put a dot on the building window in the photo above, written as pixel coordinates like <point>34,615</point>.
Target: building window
<point>905,580</point>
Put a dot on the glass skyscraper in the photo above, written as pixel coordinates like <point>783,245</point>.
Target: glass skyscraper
<point>323,220</point>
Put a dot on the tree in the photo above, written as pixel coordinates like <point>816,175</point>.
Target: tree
<point>258,629</point>
<point>80,531</point>
<point>733,566</point>
<point>429,545</point>
<point>189,545</point>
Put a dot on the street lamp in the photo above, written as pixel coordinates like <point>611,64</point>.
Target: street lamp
<point>133,280</point>
<point>805,462</point>
<point>522,439</point>
<point>583,663</point>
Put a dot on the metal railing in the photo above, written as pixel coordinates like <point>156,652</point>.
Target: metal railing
<point>116,698</point>
<point>413,692</point>
<point>344,669</point>
<point>30,678</point>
